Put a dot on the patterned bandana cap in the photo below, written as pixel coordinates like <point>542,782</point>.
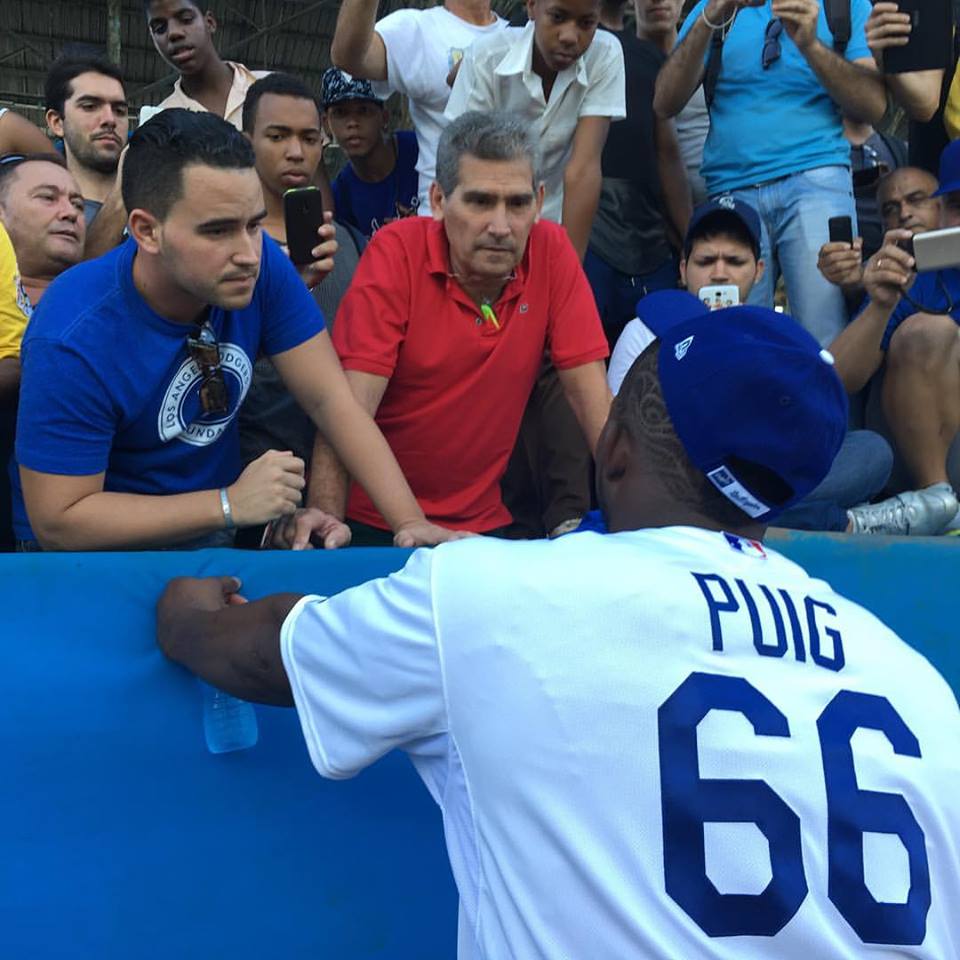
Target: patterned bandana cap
<point>338,86</point>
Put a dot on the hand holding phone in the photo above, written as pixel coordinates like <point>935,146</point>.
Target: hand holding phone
<point>841,230</point>
<point>303,217</point>
<point>718,296</point>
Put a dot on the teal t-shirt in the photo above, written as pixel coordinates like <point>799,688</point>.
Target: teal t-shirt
<point>766,124</point>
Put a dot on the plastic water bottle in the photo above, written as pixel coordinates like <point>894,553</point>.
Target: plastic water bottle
<point>228,722</point>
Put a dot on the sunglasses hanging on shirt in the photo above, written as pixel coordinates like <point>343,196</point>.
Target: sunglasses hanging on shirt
<point>204,351</point>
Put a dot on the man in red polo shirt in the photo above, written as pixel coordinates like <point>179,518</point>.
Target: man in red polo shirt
<point>444,327</point>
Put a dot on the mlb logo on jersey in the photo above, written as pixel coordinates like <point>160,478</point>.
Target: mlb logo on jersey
<point>750,548</point>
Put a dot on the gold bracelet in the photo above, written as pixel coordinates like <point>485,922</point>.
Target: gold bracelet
<point>717,26</point>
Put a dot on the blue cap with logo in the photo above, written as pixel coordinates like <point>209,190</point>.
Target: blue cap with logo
<point>337,86</point>
<point>949,169</point>
<point>724,206</point>
<point>743,386</point>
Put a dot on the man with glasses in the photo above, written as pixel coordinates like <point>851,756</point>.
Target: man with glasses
<point>909,330</point>
<point>905,199</point>
<point>778,83</point>
<point>135,364</point>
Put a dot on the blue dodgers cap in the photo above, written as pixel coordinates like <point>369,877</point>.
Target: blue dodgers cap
<point>748,384</point>
<point>724,206</point>
<point>949,169</point>
<point>337,86</point>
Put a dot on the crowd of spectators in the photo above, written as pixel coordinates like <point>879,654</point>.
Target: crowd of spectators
<point>169,377</point>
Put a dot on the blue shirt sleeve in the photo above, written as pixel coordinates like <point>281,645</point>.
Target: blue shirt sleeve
<point>857,48</point>
<point>67,420</point>
<point>690,21</point>
<point>289,314</point>
<point>937,291</point>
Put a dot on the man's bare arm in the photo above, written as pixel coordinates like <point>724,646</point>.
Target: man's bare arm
<point>19,135</point>
<point>677,202</point>
<point>76,513</point>
<point>357,47</point>
<point>586,390</point>
<point>857,350</point>
<point>582,179</point>
<point>205,626</point>
<point>856,87</point>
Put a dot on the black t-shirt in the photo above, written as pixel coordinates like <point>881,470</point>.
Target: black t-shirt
<point>628,231</point>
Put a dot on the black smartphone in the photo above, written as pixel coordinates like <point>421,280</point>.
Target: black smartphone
<point>929,46</point>
<point>302,217</point>
<point>841,230</point>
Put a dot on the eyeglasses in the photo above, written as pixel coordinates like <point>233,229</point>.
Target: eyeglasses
<point>205,353</point>
<point>771,43</point>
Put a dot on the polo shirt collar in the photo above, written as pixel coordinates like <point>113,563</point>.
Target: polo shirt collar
<point>518,60</point>
<point>438,261</point>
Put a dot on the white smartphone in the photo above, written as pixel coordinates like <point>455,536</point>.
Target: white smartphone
<point>937,249</point>
<point>719,296</point>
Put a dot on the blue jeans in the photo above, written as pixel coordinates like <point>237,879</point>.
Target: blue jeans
<point>794,211</point>
<point>617,293</point>
<point>859,472</point>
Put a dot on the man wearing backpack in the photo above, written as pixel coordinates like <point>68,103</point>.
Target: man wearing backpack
<point>779,75</point>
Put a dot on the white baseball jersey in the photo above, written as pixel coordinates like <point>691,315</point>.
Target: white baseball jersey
<point>657,745</point>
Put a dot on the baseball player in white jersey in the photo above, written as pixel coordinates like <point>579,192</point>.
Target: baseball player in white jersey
<point>662,742</point>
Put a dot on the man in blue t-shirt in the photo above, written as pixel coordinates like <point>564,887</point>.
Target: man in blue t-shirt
<point>135,365</point>
<point>909,328</point>
<point>379,184</point>
<point>779,85</point>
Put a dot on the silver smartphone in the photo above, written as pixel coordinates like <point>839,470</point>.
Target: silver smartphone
<point>720,295</point>
<point>937,249</point>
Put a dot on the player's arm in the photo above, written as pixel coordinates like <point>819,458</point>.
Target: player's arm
<point>357,48</point>
<point>313,375</point>
<point>588,394</point>
<point>917,92</point>
<point>76,513</point>
<point>204,625</point>
<point>582,178</point>
<point>19,135</point>
<point>857,351</point>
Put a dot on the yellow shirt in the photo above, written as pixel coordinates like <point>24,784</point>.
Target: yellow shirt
<point>15,308</point>
<point>243,80</point>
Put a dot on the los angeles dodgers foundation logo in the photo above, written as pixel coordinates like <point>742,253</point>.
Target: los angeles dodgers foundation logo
<point>201,432</point>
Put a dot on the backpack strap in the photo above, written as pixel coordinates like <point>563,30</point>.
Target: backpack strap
<point>838,20</point>
<point>714,62</point>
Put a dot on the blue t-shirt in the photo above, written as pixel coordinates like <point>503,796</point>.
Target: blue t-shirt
<point>368,206</point>
<point>938,290</point>
<point>107,385</point>
<point>766,124</point>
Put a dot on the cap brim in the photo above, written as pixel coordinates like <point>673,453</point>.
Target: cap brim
<point>952,186</point>
<point>665,309</point>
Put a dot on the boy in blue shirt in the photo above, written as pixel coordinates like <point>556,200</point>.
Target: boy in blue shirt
<point>135,365</point>
<point>379,184</point>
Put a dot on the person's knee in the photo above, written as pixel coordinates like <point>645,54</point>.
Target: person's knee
<point>924,341</point>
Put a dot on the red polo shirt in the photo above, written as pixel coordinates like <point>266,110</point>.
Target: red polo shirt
<point>458,383</point>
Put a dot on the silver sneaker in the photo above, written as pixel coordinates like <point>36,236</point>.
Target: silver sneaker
<point>916,513</point>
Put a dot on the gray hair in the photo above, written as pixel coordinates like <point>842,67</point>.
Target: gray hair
<point>496,135</point>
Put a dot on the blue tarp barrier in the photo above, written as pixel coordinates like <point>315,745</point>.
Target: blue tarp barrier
<point>124,839</point>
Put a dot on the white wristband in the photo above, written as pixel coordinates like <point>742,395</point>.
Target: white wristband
<point>225,507</point>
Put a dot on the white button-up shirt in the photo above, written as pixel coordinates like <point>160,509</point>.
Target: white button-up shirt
<point>497,74</point>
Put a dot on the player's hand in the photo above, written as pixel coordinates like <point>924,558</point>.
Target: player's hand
<point>842,264</point>
<point>799,20</point>
<point>887,27</point>
<point>889,272</point>
<point>301,529</point>
<point>423,533</point>
<point>184,598</point>
<point>268,488</point>
<point>312,273</point>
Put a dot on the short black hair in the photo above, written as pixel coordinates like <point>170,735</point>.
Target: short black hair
<point>167,143</point>
<point>11,163</point>
<point>281,84</point>
<point>193,3</point>
<point>58,86</point>
<point>717,223</point>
